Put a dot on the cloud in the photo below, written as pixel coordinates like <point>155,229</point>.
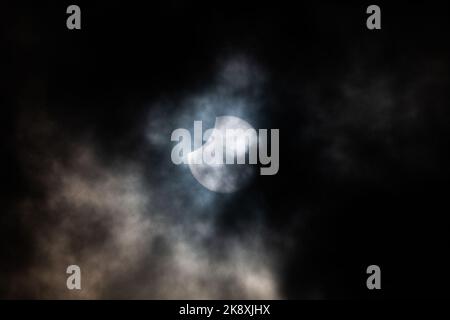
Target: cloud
<point>138,228</point>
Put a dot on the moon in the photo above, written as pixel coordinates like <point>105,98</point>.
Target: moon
<point>222,178</point>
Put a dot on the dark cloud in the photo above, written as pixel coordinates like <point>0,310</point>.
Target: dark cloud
<point>133,235</point>
<point>88,180</point>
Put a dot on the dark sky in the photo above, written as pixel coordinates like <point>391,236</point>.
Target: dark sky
<point>364,136</point>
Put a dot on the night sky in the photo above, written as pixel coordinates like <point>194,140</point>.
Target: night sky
<point>87,179</point>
